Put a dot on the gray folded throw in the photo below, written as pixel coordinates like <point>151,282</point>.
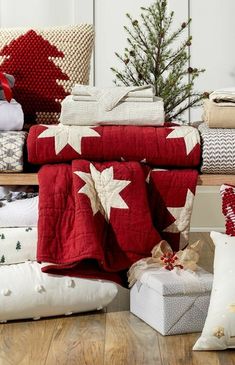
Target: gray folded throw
<point>11,81</point>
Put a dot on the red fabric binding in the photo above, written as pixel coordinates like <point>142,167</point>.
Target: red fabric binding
<point>6,87</point>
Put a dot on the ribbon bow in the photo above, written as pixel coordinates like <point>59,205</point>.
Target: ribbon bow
<point>164,257</point>
<point>5,87</point>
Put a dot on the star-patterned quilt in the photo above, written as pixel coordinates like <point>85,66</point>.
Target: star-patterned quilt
<point>97,219</point>
<point>168,146</point>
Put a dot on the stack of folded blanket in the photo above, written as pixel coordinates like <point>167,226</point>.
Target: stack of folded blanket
<point>25,291</point>
<point>108,194</point>
<point>134,105</point>
<point>218,133</point>
<point>115,181</point>
<point>12,138</point>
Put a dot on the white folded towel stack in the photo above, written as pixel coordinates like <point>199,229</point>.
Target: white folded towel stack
<point>134,105</point>
<point>11,116</point>
<point>224,97</point>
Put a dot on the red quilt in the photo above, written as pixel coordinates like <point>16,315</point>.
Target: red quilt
<point>97,219</point>
<point>171,199</point>
<point>172,146</point>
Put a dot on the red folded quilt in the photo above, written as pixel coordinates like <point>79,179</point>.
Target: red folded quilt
<point>96,219</point>
<point>177,146</point>
<point>171,198</point>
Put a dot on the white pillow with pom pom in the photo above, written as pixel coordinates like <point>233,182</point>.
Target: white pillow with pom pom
<point>26,292</point>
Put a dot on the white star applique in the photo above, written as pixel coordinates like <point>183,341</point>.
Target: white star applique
<point>68,135</point>
<point>190,135</point>
<point>182,218</point>
<point>103,190</point>
<point>149,174</point>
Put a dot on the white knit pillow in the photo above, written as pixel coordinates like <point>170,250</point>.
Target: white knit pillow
<point>26,292</point>
<point>46,63</point>
<point>219,329</point>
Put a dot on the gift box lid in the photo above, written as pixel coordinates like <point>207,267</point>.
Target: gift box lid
<point>177,281</point>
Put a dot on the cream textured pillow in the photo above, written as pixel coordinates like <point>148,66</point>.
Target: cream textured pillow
<point>219,328</point>
<point>46,63</point>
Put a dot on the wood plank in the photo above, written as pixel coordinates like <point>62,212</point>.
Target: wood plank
<point>25,343</point>
<point>32,179</point>
<point>215,180</point>
<point>78,340</point>
<point>129,340</point>
<point>18,179</point>
<point>178,350</point>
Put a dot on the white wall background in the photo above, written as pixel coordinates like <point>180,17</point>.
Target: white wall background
<point>213,31</point>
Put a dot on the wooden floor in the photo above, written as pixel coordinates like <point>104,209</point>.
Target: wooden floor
<point>112,338</point>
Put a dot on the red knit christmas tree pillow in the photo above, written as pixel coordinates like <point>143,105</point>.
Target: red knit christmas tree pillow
<point>228,207</point>
<point>46,63</point>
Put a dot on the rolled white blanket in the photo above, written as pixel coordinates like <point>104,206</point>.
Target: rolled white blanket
<point>11,116</point>
<point>17,245</point>
<point>122,113</point>
<point>26,292</point>
<point>19,213</point>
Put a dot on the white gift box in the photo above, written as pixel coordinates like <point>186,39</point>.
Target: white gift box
<point>172,302</point>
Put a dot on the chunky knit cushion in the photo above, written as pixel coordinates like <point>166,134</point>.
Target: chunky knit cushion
<point>228,207</point>
<point>46,63</point>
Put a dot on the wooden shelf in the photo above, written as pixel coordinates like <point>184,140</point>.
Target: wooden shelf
<point>18,179</point>
<point>215,180</point>
<point>32,179</point>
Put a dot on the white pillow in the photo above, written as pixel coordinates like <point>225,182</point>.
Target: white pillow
<point>18,245</point>
<point>19,213</point>
<point>219,328</point>
<point>26,292</point>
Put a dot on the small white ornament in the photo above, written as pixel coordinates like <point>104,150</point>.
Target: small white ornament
<point>68,313</point>
<point>6,292</point>
<point>39,288</point>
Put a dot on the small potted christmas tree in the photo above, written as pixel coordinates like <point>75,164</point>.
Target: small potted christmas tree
<point>151,57</point>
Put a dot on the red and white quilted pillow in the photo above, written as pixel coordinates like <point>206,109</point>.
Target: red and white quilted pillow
<point>46,63</point>
<point>228,207</point>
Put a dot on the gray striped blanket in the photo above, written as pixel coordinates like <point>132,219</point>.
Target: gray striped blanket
<point>218,150</point>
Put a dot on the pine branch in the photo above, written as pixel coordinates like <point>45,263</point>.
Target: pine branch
<point>192,104</point>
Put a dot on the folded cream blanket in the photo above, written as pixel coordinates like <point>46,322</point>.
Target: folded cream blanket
<point>19,213</point>
<point>125,98</point>
<point>112,113</point>
<point>224,96</point>
<point>11,116</point>
<point>17,245</point>
<point>110,97</point>
<point>218,115</point>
